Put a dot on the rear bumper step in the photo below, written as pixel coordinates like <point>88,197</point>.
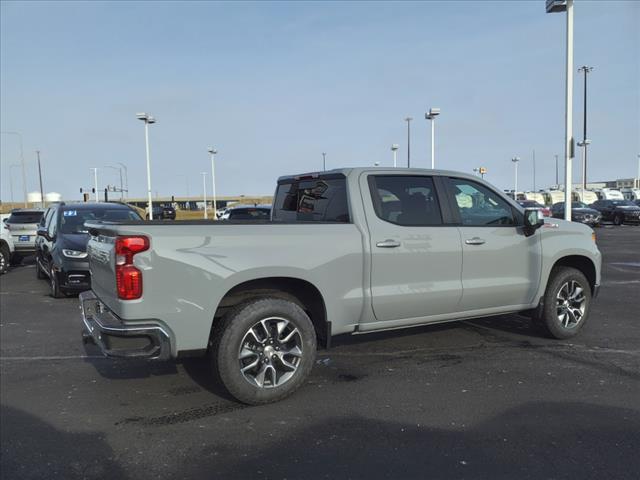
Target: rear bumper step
<point>118,339</point>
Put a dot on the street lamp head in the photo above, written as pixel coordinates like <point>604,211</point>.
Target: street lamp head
<point>212,151</point>
<point>432,113</point>
<point>145,117</point>
<point>585,68</point>
<point>394,147</point>
<point>584,143</point>
<point>554,6</point>
<point>408,119</point>
<point>515,159</point>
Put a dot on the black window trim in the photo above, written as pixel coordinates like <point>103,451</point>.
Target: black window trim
<point>331,176</point>
<point>451,199</point>
<point>445,212</point>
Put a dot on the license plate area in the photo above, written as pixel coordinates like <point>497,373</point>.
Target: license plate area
<point>24,238</point>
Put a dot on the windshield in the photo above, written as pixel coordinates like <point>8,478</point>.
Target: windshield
<point>578,205</point>
<point>25,217</point>
<point>72,221</point>
<point>623,203</point>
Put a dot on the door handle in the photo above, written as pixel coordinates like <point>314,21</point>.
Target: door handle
<point>388,243</point>
<point>474,241</point>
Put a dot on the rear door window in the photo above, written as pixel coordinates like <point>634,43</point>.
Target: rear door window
<point>312,200</point>
<point>405,200</point>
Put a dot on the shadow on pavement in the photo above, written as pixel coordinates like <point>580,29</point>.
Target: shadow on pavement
<point>32,448</point>
<point>536,440</point>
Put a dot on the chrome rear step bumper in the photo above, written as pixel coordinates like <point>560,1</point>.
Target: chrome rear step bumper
<point>118,339</point>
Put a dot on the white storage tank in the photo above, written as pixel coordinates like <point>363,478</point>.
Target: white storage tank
<point>34,197</point>
<point>53,197</point>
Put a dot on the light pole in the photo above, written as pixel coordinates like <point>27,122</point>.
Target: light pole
<point>324,161</point>
<point>394,149</point>
<point>14,165</point>
<point>586,69</point>
<point>515,161</point>
<point>148,120</point>
<point>534,169</point>
<point>204,189</point>
<point>584,144</point>
<point>24,171</point>
<point>408,120</point>
<point>95,182</point>
<point>121,184</point>
<point>212,153</point>
<point>431,115</point>
<point>126,177</point>
<point>556,169</point>
<point>40,177</point>
<point>553,6</point>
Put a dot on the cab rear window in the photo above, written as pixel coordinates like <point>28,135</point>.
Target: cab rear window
<point>321,199</point>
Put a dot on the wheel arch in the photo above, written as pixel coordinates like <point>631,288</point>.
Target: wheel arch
<point>581,263</point>
<point>299,291</point>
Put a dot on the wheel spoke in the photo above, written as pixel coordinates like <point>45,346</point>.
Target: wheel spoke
<point>295,351</point>
<point>251,365</point>
<point>291,334</point>
<point>255,336</point>
<point>246,353</point>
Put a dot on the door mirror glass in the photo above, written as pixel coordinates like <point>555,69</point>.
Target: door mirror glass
<point>533,220</point>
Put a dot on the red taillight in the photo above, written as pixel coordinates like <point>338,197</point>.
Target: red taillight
<point>128,277</point>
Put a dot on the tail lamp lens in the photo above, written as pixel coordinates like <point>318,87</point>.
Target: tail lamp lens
<point>128,277</point>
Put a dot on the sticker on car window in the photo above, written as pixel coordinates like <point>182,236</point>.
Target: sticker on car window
<point>70,213</point>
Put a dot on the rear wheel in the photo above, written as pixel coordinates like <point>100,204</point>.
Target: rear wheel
<point>5,258</point>
<point>618,219</point>
<point>567,302</point>
<point>263,350</point>
<point>40,275</point>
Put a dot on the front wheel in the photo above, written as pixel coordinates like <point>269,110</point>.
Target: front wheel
<point>618,220</point>
<point>54,284</point>
<point>263,350</point>
<point>567,303</point>
<point>5,258</point>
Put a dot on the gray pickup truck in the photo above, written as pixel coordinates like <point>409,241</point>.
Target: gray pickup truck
<point>346,251</point>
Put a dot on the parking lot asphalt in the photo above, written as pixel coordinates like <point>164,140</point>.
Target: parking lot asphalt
<point>488,398</point>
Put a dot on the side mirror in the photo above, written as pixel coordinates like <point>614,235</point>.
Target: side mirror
<point>533,220</point>
<point>42,232</point>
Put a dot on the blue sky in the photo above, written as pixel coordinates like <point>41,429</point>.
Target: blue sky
<point>272,85</point>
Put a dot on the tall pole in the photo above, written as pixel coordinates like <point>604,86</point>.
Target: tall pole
<point>126,177</point>
<point>204,190</point>
<point>534,169</point>
<point>568,138</point>
<point>515,161</point>
<point>146,141</point>
<point>586,69</point>
<point>24,171</point>
<point>408,120</point>
<point>433,143</point>
<point>40,177</point>
<point>324,161</point>
<point>212,153</point>
<point>394,149</point>
<point>556,169</point>
<point>95,182</point>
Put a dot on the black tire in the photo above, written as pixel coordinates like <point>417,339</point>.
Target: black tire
<point>40,275</point>
<point>5,258</point>
<point>618,219</point>
<point>555,312</point>
<point>54,284</point>
<point>233,331</point>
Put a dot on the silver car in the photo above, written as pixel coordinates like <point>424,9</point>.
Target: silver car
<point>23,225</point>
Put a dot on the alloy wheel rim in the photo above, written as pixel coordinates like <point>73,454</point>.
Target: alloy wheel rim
<point>270,352</point>
<point>571,304</point>
<point>3,261</point>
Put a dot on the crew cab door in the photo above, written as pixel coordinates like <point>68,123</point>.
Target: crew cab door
<point>416,258</point>
<point>500,265</point>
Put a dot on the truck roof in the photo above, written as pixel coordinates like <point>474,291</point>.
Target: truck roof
<point>348,171</point>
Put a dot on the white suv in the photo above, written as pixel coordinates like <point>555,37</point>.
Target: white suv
<point>6,247</point>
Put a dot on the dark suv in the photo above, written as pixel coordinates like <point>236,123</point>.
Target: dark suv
<point>163,212</point>
<point>618,211</point>
<point>61,246</point>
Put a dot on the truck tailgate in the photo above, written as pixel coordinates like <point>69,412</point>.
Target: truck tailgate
<point>102,265</point>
